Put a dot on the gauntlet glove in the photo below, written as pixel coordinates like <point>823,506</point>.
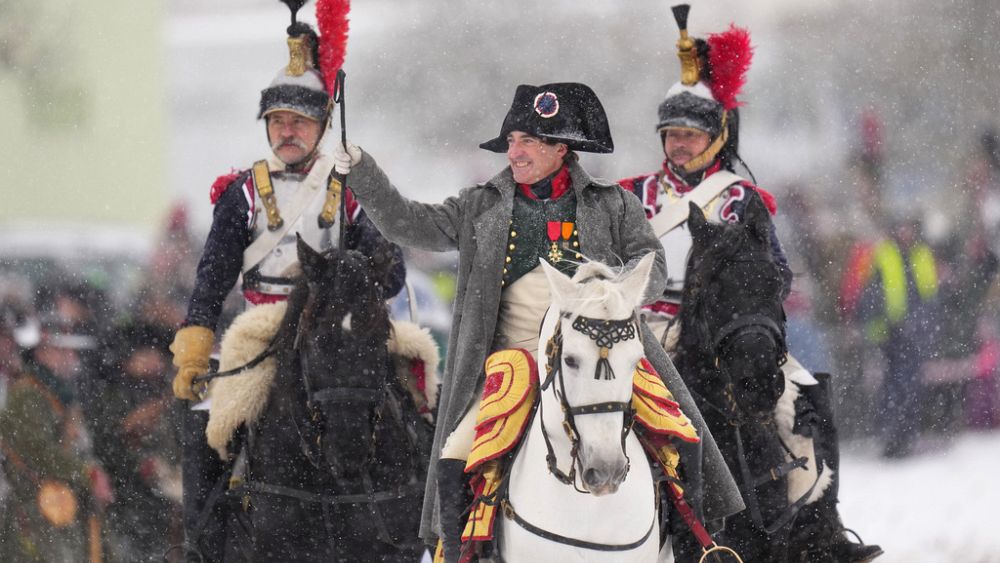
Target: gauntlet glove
<point>191,348</point>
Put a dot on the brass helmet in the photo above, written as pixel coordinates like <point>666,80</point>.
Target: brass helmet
<point>713,72</point>
<point>299,86</point>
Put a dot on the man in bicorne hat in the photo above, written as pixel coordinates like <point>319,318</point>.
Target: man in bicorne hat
<point>259,213</point>
<point>542,206</point>
<point>698,126</point>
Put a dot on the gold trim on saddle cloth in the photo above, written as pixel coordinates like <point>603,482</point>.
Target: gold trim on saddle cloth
<point>479,526</point>
<point>655,408</point>
<point>508,395</point>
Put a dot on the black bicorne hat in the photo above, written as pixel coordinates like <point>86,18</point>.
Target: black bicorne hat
<point>565,112</point>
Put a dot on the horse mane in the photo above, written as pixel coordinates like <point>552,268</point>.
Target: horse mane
<point>729,240</point>
<point>288,329</point>
<point>598,283</point>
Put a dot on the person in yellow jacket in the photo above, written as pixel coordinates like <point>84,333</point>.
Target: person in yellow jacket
<point>898,307</point>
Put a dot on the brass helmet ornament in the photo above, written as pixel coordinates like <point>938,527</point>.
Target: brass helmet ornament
<point>713,73</point>
<point>308,83</point>
<point>298,87</point>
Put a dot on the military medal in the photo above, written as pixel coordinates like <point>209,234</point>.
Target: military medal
<point>555,234</point>
<point>558,231</point>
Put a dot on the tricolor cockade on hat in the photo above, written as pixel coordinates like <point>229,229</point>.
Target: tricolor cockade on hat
<point>713,72</point>
<point>305,84</point>
<point>563,112</point>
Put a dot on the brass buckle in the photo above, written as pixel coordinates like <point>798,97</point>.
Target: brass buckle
<point>569,430</point>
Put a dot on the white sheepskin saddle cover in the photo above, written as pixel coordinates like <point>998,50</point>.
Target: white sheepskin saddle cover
<point>799,480</point>
<point>241,399</point>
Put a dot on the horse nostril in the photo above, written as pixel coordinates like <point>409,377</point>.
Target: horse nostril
<point>592,477</point>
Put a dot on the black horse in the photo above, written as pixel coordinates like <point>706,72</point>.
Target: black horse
<point>336,461</point>
<point>731,347</point>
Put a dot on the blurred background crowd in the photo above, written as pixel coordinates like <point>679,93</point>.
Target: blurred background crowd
<point>882,151</point>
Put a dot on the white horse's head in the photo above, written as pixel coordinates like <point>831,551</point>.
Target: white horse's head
<point>598,360</point>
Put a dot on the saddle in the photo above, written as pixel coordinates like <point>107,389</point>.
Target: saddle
<point>241,399</point>
<point>507,406</point>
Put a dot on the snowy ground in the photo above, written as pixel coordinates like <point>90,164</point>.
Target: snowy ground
<point>939,505</point>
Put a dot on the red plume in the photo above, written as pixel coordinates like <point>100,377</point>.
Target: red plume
<point>729,56</point>
<point>331,17</point>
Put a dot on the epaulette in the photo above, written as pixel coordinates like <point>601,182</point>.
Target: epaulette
<point>632,183</point>
<point>222,182</point>
<point>770,202</point>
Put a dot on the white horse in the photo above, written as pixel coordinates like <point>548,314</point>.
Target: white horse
<point>594,500</point>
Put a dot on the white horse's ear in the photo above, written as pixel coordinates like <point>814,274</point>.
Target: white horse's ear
<point>560,284</point>
<point>636,280</point>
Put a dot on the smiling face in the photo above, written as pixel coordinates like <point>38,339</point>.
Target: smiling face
<point>293,137</point>
<point>532,159</point>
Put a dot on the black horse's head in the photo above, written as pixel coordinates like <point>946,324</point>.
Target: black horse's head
<point>731,314</point>
<point>336,329</point>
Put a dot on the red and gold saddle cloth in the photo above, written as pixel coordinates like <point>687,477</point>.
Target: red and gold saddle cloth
<point>509,395</point>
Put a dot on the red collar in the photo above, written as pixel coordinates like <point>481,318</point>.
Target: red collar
<point>561,183</point>
<point>681,185</point>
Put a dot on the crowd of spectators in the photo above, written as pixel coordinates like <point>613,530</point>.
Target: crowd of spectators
<point>897,297</point>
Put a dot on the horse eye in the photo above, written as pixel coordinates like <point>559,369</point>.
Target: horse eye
<point>571,362</point>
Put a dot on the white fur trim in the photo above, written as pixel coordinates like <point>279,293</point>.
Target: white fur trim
<point>412,341</point>
<point>240,399</point>
<point>698,89</point>
<point>799,480</point>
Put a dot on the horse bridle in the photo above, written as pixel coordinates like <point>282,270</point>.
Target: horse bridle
<point>606,333</point>
<point>755,323</point>
<point>316,398</point>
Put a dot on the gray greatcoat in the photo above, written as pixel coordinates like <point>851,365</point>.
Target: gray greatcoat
<point>612,229</point>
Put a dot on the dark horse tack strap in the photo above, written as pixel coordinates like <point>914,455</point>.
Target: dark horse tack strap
<point>360,498</point>
<point>265,354</point>
<point>790,511</point>
<point>509,512</point>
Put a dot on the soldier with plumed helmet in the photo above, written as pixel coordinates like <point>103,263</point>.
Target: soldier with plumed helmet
<point>259,214</point>
<point>698,127</point>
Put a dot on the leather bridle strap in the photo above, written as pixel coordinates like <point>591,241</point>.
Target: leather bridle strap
<point>749,482</point>
<point>743,322</point>
<point>509,512</point>
<point>553,351</point>
<point>265,354</point>
<point>598,408</point>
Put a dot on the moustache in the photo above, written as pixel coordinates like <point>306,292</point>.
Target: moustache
<point>289,142</point>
